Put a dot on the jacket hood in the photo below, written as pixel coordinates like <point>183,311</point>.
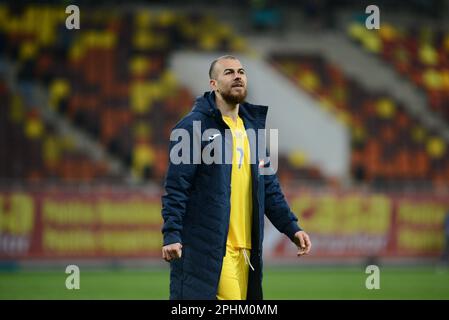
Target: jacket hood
<point>206,104</point>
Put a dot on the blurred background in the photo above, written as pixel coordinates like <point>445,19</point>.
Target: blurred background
<point>362,117</point>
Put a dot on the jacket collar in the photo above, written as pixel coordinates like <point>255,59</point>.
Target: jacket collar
<point>253,115</point>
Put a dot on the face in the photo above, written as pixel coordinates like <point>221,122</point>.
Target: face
<point>230,81</point>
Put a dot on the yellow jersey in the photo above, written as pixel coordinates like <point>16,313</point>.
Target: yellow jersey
<point>240,222</point>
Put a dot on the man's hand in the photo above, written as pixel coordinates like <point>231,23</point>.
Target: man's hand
<point>172,251</point>
<point>303,243</point>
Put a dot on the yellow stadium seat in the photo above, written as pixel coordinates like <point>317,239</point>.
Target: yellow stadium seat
<point>143,19</point>
<point>418,134</point>
<point>169,80</point>
<point>238,44</point>
<point>143,39</point>
<point>141,130</point>
<point>358,133</point>
<point>297,159</point>
<point>224,31</point>
<point>387,32</point>
<point>143,156</point>
<point>34,128</point>
<point>76,51</point>
<point>67,143</point>
<point>309,80</point>
<point>339,94</point>
<point>108,40</point>
<point>327,103</point>
<point>356,30</point>
<point>288,67</point>
<point>59,88</point>
<point>432,79</point>
<point>140,97</point>
<point>158,91</point>
<point>372,42</point>
<point>190,30</point>
<point>344,117</point>
<point>51,151</point>
<point>435,147</point>
<point>385,108</point>
<point>428,55</point>
<point>208,42</point>
<point>138,65</point>
<point>166,18</point>
<point>28,50</point>
<point>445,79</point>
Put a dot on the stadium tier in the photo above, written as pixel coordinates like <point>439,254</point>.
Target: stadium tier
<point>389,147</point>
<point>419,53</point>
<point>113,81</point>
<point>33,151</point>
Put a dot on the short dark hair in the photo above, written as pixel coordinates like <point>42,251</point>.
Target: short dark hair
<point>212,65</point>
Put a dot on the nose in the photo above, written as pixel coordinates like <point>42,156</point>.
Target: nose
<point>238,79</point>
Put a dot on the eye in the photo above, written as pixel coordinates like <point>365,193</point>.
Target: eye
<point>242,71</point>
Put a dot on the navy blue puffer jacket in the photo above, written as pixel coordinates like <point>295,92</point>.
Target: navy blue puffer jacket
<point>196,209</point>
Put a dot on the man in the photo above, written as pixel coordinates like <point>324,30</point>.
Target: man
<point>214,213</point>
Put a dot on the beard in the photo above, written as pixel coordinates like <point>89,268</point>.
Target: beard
<point>234,97</point>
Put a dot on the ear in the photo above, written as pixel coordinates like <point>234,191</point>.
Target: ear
<point>213,84</point>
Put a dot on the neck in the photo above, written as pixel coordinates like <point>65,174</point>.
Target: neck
<point>227,109</point>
